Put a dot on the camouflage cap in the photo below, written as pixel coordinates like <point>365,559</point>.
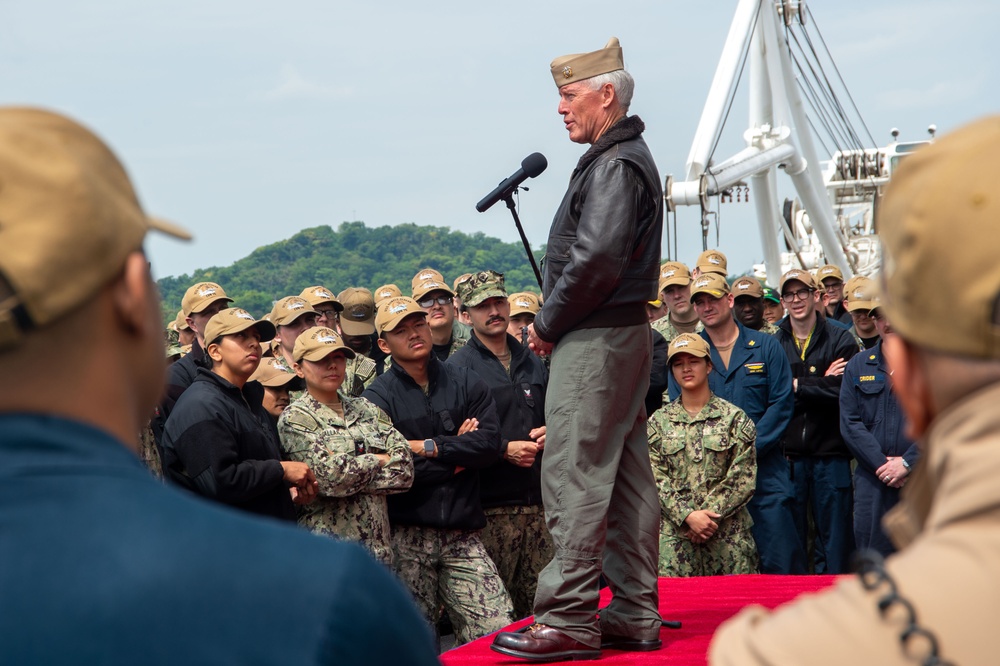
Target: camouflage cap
<point>358,317</point>
<point>523,302</point>
<point>319,295</point>
<point>480,286</point>
<point>712,261</point>
<point>674,272</point>
<point>426,287</point>
<point>805,277</point>
<point>713,284</point>
<point>859,293</point>
<point>829,271</point>
<point>200,296</point>
<point>180,322</point>
<point>394,311</point>
<point>425,274</point>
<point>579,66</point>
<point>288,309</point>
<point>174,351</point>
<point>235,320</point>
<point>939,213</point>
<point>70,218</point>
<point>385,292</point>
<point>317,343</point>
<point>274,373</point>
<point>687,343</point>
<point>748,286</point>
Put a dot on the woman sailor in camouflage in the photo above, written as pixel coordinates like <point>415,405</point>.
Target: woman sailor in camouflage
<point>349,443</point>
<point>702,449</point>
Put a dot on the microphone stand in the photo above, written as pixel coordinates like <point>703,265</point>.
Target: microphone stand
<point>508,198</point>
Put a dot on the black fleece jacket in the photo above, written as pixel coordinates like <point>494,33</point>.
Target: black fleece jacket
<point>440,497</point>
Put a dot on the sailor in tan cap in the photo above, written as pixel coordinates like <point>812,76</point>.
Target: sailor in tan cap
<point>273,375</point>
<point>859,301</point>
<point>324,303</point>
<point>524,306</point>
<point>710,261</point>
<point>434,296</point>
<point>675,290</point>
<point>291,316</point>
<point>357,328</point>
<point>601,269</point>
<point>940,211</point>
<point>748,304</point>
<point>830,280</point>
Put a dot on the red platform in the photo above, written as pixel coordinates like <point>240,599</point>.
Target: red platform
<point>701,604</point>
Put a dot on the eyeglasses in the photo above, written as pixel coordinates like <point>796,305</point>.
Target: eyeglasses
<point>326,312</point>
<point>800,295</point>
<point>832,288</point>
<point>429,302</point>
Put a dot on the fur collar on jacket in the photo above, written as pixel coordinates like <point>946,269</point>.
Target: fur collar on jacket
<point>627,128</point>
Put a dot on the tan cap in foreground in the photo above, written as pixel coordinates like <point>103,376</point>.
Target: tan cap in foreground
<point>317,343</point>
<point>829,271</point>
<point>748,286</point>
<point>712,261</point>
<point>200,296</point>
<point>288,309</point>
<point>394,311</point>
<point>712,284</point>
<point>859,292</point>
<point>674,272</point>
<point>523,302</point>
<point>939,214</point>
<point>579,66</point>
<point>424,288</point>
<point>68,218</point>
<point>358,317</point>
<point>805,277</point>
<point>273,373</point>
<point>385,292</point>
<point>234,320</point>
<point>687,343</point>
<point>319,295</point>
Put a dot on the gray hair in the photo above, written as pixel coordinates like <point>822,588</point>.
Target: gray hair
<point>621,81</point>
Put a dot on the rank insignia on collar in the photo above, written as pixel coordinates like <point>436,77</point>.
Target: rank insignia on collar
<point>752,343</point>
<point>872,357</point>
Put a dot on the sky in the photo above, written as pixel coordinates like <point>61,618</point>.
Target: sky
<point>247,121</point>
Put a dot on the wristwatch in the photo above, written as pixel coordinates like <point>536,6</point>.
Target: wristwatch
<point>906,465</point>
<point>430,448</point>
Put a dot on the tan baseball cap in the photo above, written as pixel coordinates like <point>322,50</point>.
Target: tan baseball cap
<point>524,302</point>
<point>200,296</point>
<point>288,309</point>
<point>318,295</point>
<point>805,277</point>
<point>859,292</point>
<point>940,212</point>
<point>425,274</point>
<point>712,261</point>
<point>234,320</point>
<point>384,293</point>
<point>180,322</point>
<point>687,343</point>
<point>317,343</point>
<point>69,217</point>
<point>274,372</point>
<point>579,66</point>
<point>712,284</point>
<point>829,271</point>
<point>426,287</point>
<point>480,286</point>
<point>459,280</point>
<point>358,317</point>
<point>748,286</point>
<point>674,272</point>
<point>394,311</point>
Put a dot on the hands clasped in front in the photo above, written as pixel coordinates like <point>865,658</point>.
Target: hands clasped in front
<point>304,484</point>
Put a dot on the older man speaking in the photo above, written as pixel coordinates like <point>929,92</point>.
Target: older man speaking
<point>601,268</point>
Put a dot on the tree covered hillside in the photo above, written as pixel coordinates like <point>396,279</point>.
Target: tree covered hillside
<point>354,256</point>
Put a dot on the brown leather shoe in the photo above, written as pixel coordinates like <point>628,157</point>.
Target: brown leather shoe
<point>626,644</point>
<point>541,643</point>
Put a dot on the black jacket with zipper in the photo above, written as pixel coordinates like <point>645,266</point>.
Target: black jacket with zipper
<point>520,400</point>
<point>440,497</point>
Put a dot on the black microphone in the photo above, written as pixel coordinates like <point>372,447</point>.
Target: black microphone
<point>531,166</point>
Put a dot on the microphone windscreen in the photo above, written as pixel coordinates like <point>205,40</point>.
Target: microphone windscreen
<point>534,164</point>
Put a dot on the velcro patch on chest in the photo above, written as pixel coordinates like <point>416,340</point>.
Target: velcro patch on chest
<point>756,368</point>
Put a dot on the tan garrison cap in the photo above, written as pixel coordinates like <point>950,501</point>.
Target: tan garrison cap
<point>480,286</point>
<point>358,317</point>
<point>68,219</point>
<point>200,296</point>
<point>180,322</point>
<point>234,320</point>
<point>288,309</point>
<point>687,343</point>
<point>317,343</point>
<point>805,277</point>
<point>274,372</point>
<point>579,66</point>
<point>319,295</point>
<point>712,261</point>
<point>426,287</point>
<point>712,284</point>
<point>394,311</point>
<point>386,292</point>
<point>829,271</point>
<point>674,272</point>
<point>425,274</point>
<point>859,292</point>
<point>748,286</point>
<point>523,302</point>
<point>941,211</point>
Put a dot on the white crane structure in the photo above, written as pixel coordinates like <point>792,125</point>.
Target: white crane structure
<point>835,222</point>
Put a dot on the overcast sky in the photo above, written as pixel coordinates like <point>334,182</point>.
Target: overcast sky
<point>246,121</point>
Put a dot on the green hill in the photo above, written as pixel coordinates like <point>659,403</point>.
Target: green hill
<point>354,256</point>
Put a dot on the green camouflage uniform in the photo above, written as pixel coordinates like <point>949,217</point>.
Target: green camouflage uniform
<point>664,327</point>
<point>359,374</point>
<point>704,462</point>
<point>460,334</point>
<point>520,545</point>
<point>148,453</point>
<point>468,578</point>
<point>352,486</point>
<point>770,329</point>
